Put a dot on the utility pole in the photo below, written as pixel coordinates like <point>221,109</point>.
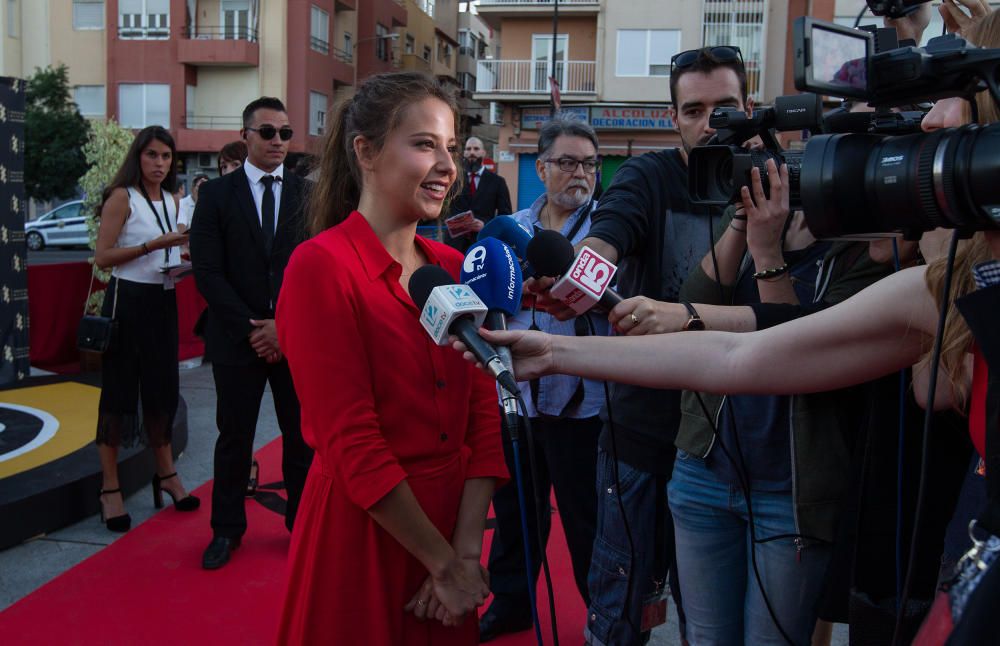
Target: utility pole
<point>553,79</point>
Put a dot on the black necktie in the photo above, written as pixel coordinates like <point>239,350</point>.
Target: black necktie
<point>267,211</point>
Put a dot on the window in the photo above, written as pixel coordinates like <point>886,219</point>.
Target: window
<point>427,53</point>
<point>68,212</point>
<point>409,44</point>
<point>141,105</point>
<point>381,46</point>
<point>742,24</point>
<point>320,31</point>
<point>427,6</point>
<point>646,52</point>
<point>468,81</point>
<point>88,14</point>
<point>236,20</point>
<point>348,44</point>
<point>90,100</point>
<point>13,18</point>
<point>144,19</point>
<point>317,113</point>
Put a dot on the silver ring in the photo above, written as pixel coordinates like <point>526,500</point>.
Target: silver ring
<point>635,319</point>
<point>421,602</point>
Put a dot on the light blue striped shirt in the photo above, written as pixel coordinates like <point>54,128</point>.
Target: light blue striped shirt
<point>555,391</point>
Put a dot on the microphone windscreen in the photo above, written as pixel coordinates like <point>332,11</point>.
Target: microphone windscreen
<point>424,280</point>
<point>493,272</point>
<point>550,253</point>
<point>507,230</point>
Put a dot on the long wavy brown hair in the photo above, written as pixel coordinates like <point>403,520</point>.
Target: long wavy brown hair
<point>373,112</point>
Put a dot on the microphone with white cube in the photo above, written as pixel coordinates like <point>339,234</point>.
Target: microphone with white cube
<point>448,308</point>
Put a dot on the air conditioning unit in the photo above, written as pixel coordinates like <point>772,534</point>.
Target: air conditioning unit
<point>205,160</point>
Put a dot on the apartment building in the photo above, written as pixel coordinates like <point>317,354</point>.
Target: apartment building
<point>612,63</point>
<point>475,43</point>
<point>191,65</point>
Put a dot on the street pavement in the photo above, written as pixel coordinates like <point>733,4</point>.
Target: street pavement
<point>28,566</point>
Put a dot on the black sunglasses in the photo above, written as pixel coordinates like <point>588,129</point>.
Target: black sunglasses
<point>721,53</point>
<point>267,132</point>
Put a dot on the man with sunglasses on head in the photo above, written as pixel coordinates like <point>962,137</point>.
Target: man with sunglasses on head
<point>646,223</point>
<point>246,225</point>
<point>563,409</point>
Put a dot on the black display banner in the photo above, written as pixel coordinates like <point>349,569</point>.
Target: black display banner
<point>15,363</point>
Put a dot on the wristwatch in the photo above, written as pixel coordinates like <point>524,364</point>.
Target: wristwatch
<point>695,322</point>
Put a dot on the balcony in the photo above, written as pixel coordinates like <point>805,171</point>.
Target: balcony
<point>201,133</point>
<point>529,80</point>
<point>212,45</point>
<point>493,11</point>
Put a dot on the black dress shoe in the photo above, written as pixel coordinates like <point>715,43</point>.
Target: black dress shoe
<point>502,618</point>
<point>217,553</point>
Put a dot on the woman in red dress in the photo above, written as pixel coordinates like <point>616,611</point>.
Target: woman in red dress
<point>386,549</point>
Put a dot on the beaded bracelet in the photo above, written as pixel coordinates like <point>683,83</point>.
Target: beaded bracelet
<point>766,274</point>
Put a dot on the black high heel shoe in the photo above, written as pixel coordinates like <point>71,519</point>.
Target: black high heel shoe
<point>187,503</point>
<point>120,524</point>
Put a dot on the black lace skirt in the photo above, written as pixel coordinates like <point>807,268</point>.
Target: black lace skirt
<point>141,364</point>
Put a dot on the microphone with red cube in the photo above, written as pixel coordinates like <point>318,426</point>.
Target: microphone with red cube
<point>583,282</point>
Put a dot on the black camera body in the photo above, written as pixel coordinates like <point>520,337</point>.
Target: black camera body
<point>894,8</point>
<point>872,173</point>
<point>719,170</point>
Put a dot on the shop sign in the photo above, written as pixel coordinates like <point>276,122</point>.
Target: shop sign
<point>631,119</point>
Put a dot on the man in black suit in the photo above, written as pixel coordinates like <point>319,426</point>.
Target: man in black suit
<point>245,226</point>
<point>484,193</point>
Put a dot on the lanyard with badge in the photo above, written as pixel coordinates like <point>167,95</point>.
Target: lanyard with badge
<point>168,281</point>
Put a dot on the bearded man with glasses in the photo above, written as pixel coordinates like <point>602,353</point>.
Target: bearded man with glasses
<point>563,409</point>
<point>246,225</point>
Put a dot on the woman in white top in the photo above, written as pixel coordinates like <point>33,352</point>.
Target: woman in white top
<point>138,237</point>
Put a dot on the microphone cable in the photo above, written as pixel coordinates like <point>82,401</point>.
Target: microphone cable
<point>519,482</point>
<point>618,496</point>
<point>533,466</point>
<point>945,305</point>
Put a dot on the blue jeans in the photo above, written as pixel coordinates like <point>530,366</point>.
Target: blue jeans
<point>722,600</point>
<point>614,576</point>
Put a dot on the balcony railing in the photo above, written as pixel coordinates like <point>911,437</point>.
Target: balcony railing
<point>211,122</point>
<point>342,55</point>
<point>143,33</point>
<point>534,3</point>
<point>532,77</point>
<point>220,33</point>
<point>319,45</point>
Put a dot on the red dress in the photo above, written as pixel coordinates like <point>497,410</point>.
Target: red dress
<point>380,403</point>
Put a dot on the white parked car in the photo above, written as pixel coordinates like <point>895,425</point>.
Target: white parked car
<point>63,226</point>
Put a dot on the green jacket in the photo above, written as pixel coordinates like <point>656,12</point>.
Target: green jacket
<point>820,423</point>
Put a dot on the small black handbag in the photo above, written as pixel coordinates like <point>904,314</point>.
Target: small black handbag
<point>97,333</point>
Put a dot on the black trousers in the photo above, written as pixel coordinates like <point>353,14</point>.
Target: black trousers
<point>239,390</point>
<point>566,455</point>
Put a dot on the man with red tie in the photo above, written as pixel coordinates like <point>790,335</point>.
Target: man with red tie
<point>483,192</point>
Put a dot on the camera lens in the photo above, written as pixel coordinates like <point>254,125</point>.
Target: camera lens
<point>859,183</point>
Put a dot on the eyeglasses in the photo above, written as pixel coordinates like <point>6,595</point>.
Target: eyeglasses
<point>721,53</point>
<point>568,164</point>
<point>267,132</point>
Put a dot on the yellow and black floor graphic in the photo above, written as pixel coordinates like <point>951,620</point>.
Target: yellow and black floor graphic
<point>41,424</point>
<point>50,473</point>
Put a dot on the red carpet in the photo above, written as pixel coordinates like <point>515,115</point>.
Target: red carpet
<point>148,587</point>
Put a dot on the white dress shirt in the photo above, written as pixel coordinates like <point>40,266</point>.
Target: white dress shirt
<point>254,175</point>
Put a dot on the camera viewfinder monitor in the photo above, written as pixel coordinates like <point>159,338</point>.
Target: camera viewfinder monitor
<point>831,59</point>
